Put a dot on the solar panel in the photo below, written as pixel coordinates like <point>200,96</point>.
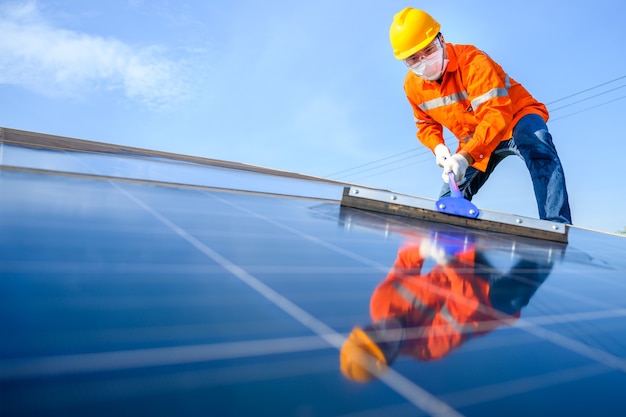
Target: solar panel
<point>128,290</point>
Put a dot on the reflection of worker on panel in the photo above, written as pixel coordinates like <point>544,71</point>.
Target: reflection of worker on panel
<point>427,315</point>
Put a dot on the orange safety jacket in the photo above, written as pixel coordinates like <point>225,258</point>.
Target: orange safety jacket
<point>441,309</point>
<point>476,101</point>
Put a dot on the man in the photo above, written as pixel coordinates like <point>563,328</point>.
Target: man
<point>428,314</point>
<point>462,89</point>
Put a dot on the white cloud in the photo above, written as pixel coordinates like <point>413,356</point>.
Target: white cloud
<point>36,55</point>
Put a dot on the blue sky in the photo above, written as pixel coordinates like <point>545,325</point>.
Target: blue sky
<point>313,87</point>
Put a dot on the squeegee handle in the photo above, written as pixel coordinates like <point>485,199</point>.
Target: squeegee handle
<point>454,188</point>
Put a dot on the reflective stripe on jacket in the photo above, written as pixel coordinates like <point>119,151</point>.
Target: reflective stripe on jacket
<point>476,101</point>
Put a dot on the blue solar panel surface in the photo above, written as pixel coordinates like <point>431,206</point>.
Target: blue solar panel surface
<point>127,298</point>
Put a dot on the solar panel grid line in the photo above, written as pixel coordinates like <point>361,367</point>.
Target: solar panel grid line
<point>576,327</point>
<point>588,334</point>
<point>418,396</point>
<point>396,410</point>
<point>582,298</point>
<point>506,389</point>
<point>573,317</point>
<point>169,335</point>
<point>289,270</point>
<point>507,337</point>
<point>55,366</point>
<point>245,373</point>
<point>400,384</point>
<point>332,247</point>
<point>96,362</point>
<point>125,388</point>
<point>620,284</point>
<point>117,268</point>
<point>596,355</point>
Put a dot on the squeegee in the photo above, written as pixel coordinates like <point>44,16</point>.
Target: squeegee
<point>453,210</point>
<point>456,203</point>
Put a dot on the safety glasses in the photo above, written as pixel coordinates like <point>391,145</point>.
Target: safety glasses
<point>428,52</point>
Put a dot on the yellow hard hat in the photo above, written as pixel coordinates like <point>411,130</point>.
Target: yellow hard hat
<point>412,30</point>
<point>361,359</point>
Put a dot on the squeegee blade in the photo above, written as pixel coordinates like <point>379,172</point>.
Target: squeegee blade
<point>387,202</point>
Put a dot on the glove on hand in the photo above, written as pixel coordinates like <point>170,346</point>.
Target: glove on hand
<point>429,249</point>
<point>441,153</point>
<point>456,164</point>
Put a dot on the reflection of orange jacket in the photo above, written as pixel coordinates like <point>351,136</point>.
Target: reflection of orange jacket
<point>450,303</point>
<point>477,101</point>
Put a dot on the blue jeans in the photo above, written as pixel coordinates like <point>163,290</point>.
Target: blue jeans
<point>532,142</point>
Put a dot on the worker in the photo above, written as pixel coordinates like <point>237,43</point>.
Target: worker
<point>461,88</point>
<point>428,315</point>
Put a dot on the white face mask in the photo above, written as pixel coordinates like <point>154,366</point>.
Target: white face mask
<point>431,68</point>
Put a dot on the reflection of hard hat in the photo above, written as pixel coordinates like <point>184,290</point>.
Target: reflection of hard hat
<point>411,31</point>
<point>361,359</point>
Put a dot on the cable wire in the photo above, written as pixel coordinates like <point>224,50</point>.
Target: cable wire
<point>585,90</point>
<point>374,162</point>
<point>587,98</point>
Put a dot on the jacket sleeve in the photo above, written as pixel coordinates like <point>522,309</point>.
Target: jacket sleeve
<point>409,260</point>
<point>386,301</point>
<point>429,132</point>
<point>487,88</point>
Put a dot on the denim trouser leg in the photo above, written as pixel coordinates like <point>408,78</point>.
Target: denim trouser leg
<point>532,142</point>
